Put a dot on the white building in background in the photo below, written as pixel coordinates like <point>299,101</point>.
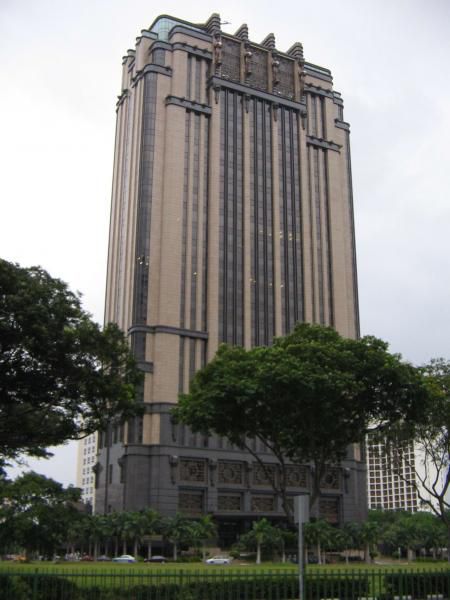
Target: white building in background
<point>86,458</point>
<point>391,487</point>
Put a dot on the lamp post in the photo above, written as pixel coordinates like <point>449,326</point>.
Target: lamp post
<point>301,515</point>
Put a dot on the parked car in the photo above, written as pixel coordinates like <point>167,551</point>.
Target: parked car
<point>125,558</point>
<point>103,558</point>
<point>156,559</point>
<point>219,560</point>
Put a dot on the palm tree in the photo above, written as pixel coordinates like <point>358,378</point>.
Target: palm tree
<point>116,521</point>
<point>263,532</point>
<point>370,534</point>
<point>319,533</point>
<point>96,532</point>
<point>202,530</point>
<point>153,523</point>
<point>177,530</point>
<point>135,529</point>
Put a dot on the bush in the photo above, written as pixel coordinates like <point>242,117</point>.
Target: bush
<point>418,585</point>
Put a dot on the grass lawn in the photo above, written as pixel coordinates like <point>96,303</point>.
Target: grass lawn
<point>157,569</point>
<point>126,576</point>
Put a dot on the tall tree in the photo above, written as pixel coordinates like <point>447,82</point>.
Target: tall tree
<point>36,512</point>
<point>429,472</point>
<point>280,394</point>
<point>61,376</point>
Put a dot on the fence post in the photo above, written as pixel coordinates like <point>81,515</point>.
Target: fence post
<point>35,582</point>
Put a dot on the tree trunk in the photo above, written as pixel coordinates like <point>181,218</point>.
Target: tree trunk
<point>136,547</point>
<point>367,553</point>
<point>175,551</point>
<point>116,546</point>
<point>203,553</point>
<point>124,547</point>
<point>319,553</point>
<point>95,549</point>
<point>258,553</point>
<point>306,555</point>
<point>448,544</point>
<point>149,549</point>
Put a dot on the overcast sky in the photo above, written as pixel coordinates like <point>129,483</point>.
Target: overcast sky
<point>60,73</point>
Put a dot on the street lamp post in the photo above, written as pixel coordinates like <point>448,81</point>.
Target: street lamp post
<point>301,515</point>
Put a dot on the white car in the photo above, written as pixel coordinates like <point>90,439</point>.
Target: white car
<point>219,560</point>
<point>125,558</point>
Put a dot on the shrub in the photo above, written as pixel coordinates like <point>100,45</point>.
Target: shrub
<point>418,585</point>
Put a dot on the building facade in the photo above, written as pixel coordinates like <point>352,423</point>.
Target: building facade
<point>391,475</point>
<point>86,460</point>
<point>232,219</point>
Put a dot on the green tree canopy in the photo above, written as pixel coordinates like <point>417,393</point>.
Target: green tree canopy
<point>306,398</point>
<point>61,376</point>
<point>430,468</point>
<point>36,513</point>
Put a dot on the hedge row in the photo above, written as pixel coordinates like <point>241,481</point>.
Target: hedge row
<point>417,585</point>
<point>276,587</point>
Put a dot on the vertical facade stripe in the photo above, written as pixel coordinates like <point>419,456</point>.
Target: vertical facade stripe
<point>143,217</point>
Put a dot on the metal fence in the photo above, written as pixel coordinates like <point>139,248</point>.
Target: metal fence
<point>221,584</point>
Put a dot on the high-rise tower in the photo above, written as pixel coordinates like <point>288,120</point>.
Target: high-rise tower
<point>232,219</point>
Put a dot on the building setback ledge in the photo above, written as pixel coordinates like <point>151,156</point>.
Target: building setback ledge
<point>342,124</point>
<point>217,83</point>
<point>319,91</point>
<point>192,50</point>
<point>189,105</point>
<point>146,366</point>
<point>152,69</point>
<point>189,333</point>
<point>321,143</point>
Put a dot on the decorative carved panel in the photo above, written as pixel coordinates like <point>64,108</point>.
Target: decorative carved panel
<point>263,504</point>
<point>258,75</point>
<point>228,502</point>
<point>329,509</point>
<point>192,470</point>
<point>285,85</point>
<point>331,479</point>
<point>231,60</point>
<point>296,476</point>
<point>263,476</point>
<point>230,472</point>
<point>190,503</point>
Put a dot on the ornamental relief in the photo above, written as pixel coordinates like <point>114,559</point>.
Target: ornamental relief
<point>231,60</point>
<point>331,479</point>
<point>296,476</point>
<point>263,475</point>
<point>193,470</point>
<point>228,503</point>
<point>190,503</point>
<point>257,76</point>
<point>263,504</point>
<point>329,509</point>
<point>230,472</point>
<point>285,85</point>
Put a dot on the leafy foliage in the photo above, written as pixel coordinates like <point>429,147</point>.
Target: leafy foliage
<point>61,376</point>
<point>36,512</point>
<point>306,398</point>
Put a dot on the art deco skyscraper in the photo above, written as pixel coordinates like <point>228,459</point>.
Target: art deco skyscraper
<point>232,219</point>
